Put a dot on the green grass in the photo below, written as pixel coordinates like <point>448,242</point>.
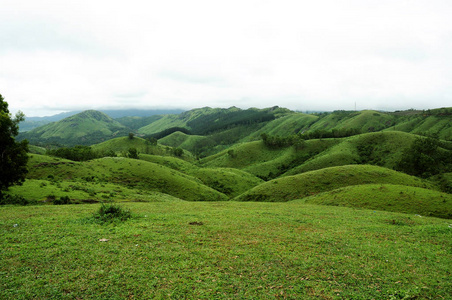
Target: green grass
<point>41,191</point>
<point>85,128</point>
<point>125,172</point>
<point>121,145</point>
<point>223,250</point>
<point>284,126</point>
<point>397,198</point>
<point>327,179</point>
<point>231,182</point>
<point>377,148</point>
<point>182,140</point>
<point>257,159</point>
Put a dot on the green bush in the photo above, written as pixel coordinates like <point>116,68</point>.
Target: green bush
<point>109,213</point>
<point>62,200</point>
<point>13,199</point>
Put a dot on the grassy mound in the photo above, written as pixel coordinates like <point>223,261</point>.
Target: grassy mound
<point>180,139</point>
<point>310,183</point>
<point>259,160</point>
<point>388,197</point>
<point>377,148</point>
<point>46,191</point>
<point>170,162</point>
<point>284,126</point>
<point>123,144</point>
<point>231,182</point>
<point>131,173</point>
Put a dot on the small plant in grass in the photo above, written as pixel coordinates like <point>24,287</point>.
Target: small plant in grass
<point>13,199</point>
<point>62,200</point>
<point>109,213</point>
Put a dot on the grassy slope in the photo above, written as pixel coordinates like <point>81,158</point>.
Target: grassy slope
<point>242,251</point>
<point>327,179</point>
<point>397,198</point>
<point>257,159</point>
<point>79,128</point>
<point>131,173</point>
<point>284,126</point>
<point>122,144</point>
<point>383,148</point>
<point>366,121</point>
<point>168,121</point>
<point>231,182</point>
<point>42,191</point>
<point>420,124</point>
<point>180,139</point>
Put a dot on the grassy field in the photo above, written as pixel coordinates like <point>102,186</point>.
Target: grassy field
<point>388,197</point>
<point>223,250</point>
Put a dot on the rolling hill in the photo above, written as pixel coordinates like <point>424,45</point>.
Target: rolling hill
<point>125,173</point>
<point>86,128</point>
<point>388,197</point>
<point>222,127</point>
<point>327,179</point>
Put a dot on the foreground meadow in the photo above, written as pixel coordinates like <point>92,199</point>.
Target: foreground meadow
<point>223,250</point>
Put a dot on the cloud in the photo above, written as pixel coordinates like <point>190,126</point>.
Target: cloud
<point>306,55</point>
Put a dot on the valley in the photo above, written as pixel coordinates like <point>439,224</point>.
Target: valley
<point>232,203</point>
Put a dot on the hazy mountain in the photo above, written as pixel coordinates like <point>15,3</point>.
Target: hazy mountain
<point>84,128</point>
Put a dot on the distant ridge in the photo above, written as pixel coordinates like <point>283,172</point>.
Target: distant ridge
<point>85,128</point>
<point>215,129</point>
<point>35,122</point>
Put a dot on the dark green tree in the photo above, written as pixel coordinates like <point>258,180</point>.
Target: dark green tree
<point>424,158</point>
<point>178,152</point>
<point>13,155</point>
<point>133,153</point>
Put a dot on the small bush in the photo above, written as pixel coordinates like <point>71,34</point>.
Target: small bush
<point>62,200</point>
<point>13,199</point>
<point>109,213</point>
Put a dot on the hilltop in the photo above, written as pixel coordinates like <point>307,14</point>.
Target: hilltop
<point>85,128</point>
<point>210,130</point>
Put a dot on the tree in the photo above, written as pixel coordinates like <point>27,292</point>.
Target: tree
<point>423,158</point>
<point>133,153</point>
<point>131,135</point>
<point>13,155</point>
<point>178,152</point>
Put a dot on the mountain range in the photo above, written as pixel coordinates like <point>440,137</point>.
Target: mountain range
<point>209,130</point>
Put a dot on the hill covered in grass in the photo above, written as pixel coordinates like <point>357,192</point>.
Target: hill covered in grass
<point>124,172</point>
<point>215,129</point>
<point>85,128</point>
<point>388,197</point>
<point>327,179</point>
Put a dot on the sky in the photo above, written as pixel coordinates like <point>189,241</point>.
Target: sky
<point>326,55</point>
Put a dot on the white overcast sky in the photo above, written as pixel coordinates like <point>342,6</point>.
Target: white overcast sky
<point>304,55</point>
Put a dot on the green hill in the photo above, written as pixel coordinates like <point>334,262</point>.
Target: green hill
<point>123,144</point>
<point>388,197</point>
<point>86,128</point>
<point>229,181</point>
<point>286,125</point>
<point>130,173</point>
<point>182,140</point>
<point>422,124</point>
<point>378,148</point>
<point>206,120</point>
<point>327,179</point>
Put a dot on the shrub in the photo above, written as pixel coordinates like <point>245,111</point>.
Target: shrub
<point>109,213</point>
<point>13,199</point>
<point>62,200</point>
